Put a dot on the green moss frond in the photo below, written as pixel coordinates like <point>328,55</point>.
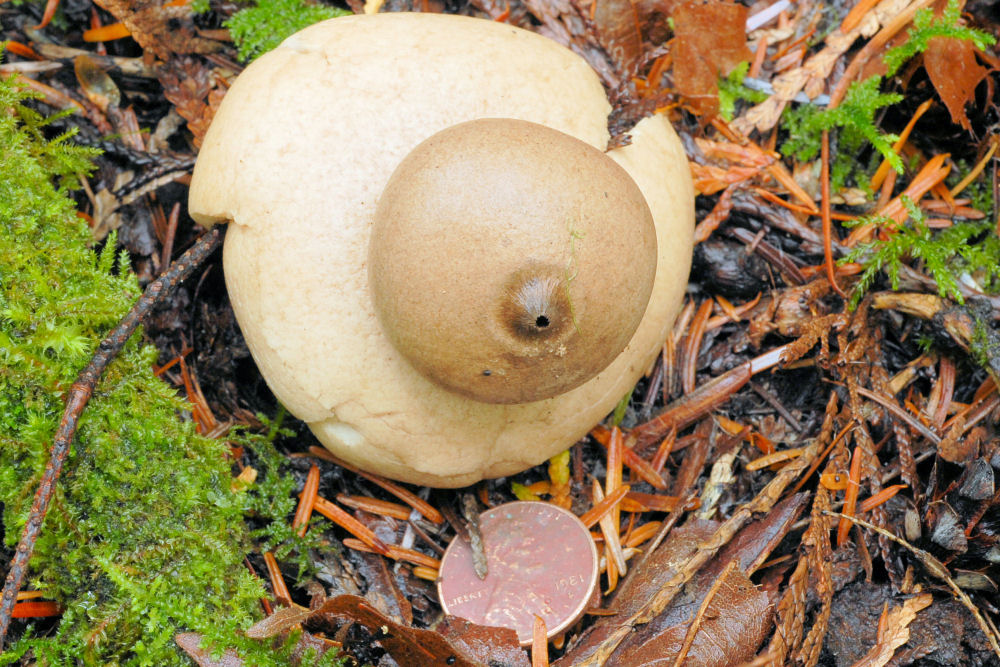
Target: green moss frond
<point>58,157</point>
<point>258,29</point>
<point>732,90</point>
<point>926,27</point>
<point>966,248</point>
<point>855,120</point>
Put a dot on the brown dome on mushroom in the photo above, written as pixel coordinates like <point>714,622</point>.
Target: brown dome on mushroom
<point>510,262</point>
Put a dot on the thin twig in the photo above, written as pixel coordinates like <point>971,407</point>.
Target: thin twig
<point>778,406</point>
<point>79,395</point>
<point>901,414</point>
<point>828,262</point>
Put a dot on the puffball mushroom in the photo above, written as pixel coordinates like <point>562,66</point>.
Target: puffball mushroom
<point>526,306</point>
<point>434,262</point>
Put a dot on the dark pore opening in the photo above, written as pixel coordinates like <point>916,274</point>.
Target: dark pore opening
<point>533,307</point>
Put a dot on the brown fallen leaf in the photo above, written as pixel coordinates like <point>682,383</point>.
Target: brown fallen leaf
<point>710,40</point>
<point>190,643</point>
<point>952,67</point>
<point>955,447</point>
<point>650,575</point>
<point>893,630</point>
<point>617,25</point>
<point>737,619</point>
<point>461,644</point>
<point>95,83</point>
<point>488,645</point>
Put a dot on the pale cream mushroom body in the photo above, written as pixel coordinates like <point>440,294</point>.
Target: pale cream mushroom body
<point>299,157</point>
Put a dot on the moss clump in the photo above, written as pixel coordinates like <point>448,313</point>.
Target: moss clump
<point>926,27</point>
<point>258,29</point>
<point>145,536</point>
<point>732,90</point>
<point>855,119</point>
<point>967,251</point>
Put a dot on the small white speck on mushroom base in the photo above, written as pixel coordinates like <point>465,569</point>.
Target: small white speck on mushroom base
<point>304,205</point>
<point>346,434</point>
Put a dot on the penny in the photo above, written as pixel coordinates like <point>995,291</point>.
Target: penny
<point>541,561</point>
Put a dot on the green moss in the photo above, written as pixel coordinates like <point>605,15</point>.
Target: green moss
<point>854,118</point>
<point>926,27</point>
<point>979,191</point>
<point>732,90</point>
<point>258,29</point>
<point>145,536</point>
<point>274,500</point>
<point>966,248</point>
<point>984,344</point>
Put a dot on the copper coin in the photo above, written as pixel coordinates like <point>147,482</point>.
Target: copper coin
<point>541,561</point>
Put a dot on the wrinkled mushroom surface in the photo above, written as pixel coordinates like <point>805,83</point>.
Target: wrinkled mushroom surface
<point>297,158</point>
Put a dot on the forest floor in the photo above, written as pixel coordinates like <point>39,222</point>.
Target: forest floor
<point>824,413</point>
